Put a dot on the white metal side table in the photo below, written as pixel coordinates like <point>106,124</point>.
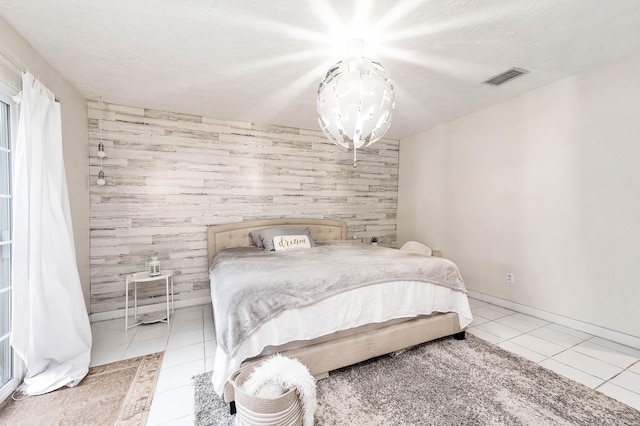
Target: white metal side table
<point>144,277</point>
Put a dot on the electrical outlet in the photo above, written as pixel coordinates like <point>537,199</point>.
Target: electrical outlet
<point>509,278</point>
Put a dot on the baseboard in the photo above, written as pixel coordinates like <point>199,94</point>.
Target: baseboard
<point>605,333</point>
<point>103,316</point>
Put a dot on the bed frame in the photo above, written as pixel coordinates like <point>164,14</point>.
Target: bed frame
<point>321,358</point>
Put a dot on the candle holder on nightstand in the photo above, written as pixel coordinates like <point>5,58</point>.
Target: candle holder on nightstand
<point>154,267</point>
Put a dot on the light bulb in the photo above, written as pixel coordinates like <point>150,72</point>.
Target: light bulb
<point>101,181</point>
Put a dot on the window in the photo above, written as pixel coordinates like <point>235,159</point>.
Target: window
<point>8,364</point>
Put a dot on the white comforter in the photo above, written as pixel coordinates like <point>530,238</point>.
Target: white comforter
<point>253,286</point>
<point>373,304</point>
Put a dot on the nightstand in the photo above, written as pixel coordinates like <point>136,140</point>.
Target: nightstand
<point>141,278</point>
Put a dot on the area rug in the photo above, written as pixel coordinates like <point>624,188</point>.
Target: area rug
<point>445,382</point>
<point>119,393</point>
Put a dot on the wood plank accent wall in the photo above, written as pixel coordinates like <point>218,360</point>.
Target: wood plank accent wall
<point>170,175</point>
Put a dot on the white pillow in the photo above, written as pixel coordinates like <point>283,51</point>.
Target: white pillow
<point>265,236</point>
<point>290,242</point>
<point>416,247</point>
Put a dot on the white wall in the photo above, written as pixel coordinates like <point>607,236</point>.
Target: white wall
<point>74,133</point>
<point>546,186</point>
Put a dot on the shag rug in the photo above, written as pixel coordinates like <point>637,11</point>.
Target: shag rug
<point>445,382</point>
<point>119,393</point>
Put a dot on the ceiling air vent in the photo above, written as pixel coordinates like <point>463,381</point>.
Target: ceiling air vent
<point>506,76</point>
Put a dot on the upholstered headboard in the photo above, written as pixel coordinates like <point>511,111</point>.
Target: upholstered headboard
<point>237,234</point>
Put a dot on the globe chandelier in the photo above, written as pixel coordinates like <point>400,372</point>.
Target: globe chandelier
<point>355,100</point>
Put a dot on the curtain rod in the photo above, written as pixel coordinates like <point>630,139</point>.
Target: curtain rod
<point>21,69</point>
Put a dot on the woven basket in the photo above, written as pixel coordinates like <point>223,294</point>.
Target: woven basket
<point>251,410</point>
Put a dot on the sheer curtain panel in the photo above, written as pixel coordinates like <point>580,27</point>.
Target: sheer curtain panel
<point>50,324</point>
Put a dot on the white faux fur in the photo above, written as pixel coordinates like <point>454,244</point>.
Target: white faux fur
<point>277,375</point>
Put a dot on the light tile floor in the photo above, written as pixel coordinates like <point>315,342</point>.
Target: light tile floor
<point>608,367</point>
<point>189,345</point>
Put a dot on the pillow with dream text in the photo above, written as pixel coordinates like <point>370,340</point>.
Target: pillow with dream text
<point>256,235</point>
<point>266,236</point>
<point>291,242</point>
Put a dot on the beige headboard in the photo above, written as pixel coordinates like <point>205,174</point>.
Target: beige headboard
<point>237,234</point>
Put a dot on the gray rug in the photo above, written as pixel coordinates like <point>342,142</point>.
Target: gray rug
<point>445,382</point>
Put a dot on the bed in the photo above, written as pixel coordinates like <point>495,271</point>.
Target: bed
<point>338,327</point>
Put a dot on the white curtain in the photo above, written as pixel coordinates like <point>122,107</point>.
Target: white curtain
<point>50,325</point>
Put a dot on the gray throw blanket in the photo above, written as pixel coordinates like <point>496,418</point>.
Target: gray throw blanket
<point>251,286</point>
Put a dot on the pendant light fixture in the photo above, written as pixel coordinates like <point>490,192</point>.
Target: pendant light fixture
<point>355,100</point>
<point>101,154</point>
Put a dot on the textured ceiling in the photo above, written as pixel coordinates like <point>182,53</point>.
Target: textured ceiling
<point>259,60</point>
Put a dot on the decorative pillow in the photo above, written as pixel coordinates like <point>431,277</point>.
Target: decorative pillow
<point>291,242</point>
<point>255,236</point>
<point>266,236</point>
